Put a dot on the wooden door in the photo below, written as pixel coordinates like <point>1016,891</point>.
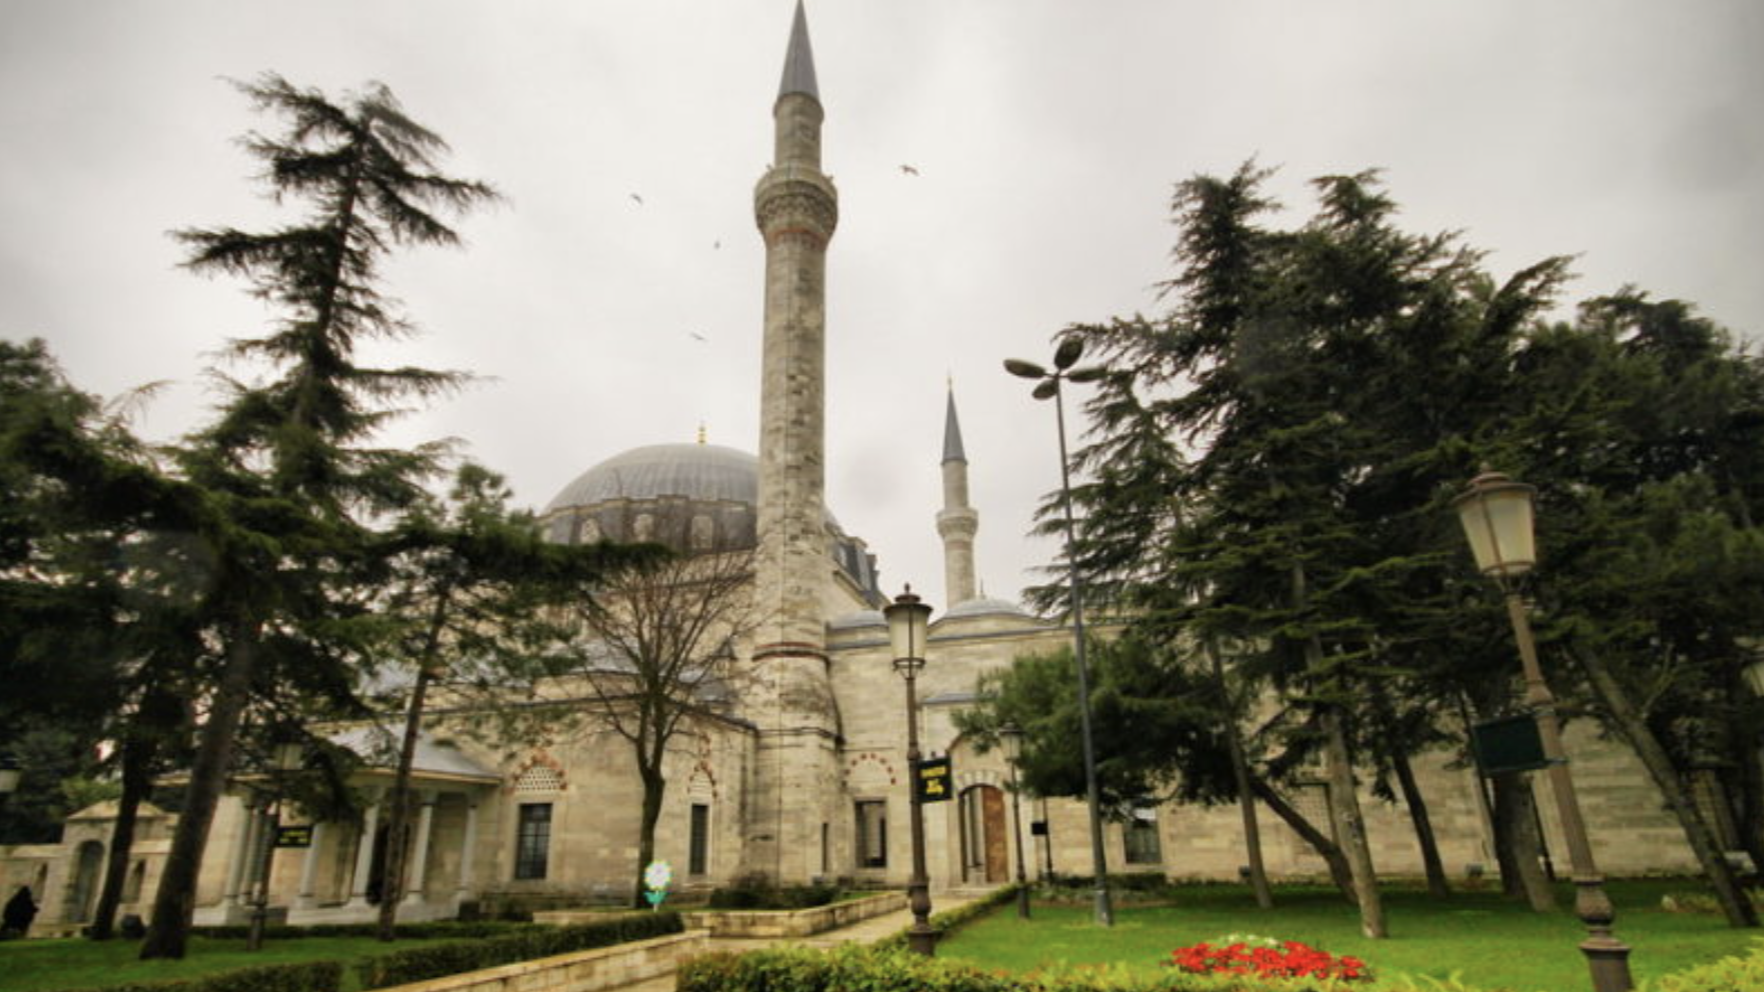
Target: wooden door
<point>997,856</point>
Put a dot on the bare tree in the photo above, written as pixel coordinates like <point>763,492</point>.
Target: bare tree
<point>655,655</point>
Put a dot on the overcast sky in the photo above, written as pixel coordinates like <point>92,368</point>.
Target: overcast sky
<point>1047,136</point>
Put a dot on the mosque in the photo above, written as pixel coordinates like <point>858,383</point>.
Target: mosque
<point>805,777</point>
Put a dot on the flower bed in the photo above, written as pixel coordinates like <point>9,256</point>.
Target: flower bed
<point>1265,957</point>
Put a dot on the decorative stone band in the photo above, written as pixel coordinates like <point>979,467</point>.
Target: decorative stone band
<point>790,200</point>
<point>789,649</point>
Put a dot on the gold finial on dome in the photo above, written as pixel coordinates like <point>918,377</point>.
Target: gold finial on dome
<point>701,432</point>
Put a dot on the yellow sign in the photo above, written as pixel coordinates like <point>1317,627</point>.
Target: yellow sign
<point>933,781</point>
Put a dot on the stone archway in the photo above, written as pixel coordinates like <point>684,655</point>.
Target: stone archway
<point>88,870</point>
<point>985,854</point>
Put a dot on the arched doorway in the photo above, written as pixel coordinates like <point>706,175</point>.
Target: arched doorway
<point>984,851</point>
<point>88,866</point>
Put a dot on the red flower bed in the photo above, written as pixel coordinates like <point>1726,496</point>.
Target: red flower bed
<point>1290,959</point>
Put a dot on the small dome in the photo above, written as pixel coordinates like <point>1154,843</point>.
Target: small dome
<point>707,472</point>
<point>984,607</point>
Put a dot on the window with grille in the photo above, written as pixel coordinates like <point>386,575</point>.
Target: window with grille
<point>872,833</point>
<point>532,840</point>
<point>1140,835</point>
<point>698,851</point>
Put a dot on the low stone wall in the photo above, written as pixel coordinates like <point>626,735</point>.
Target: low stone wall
<point>760,923</point>
<point>579,971</point>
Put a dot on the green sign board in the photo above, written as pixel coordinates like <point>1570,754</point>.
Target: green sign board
<point>299,835</point>
<point>1510,744</point>
<point>932,780</point>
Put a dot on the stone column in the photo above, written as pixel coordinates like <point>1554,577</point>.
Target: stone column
<point>309,868</point>
<point>240,857</point>
<point>418,868</point>
<point>468,846</point>
<point>364,855</point>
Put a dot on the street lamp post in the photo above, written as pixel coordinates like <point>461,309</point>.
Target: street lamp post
<point>1496,514</point>
<point>1048,386</point>
<point>1012,737</point>
<point>285,757</point>
<point>908,619</point>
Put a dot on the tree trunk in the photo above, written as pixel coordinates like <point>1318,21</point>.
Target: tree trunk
<point>1515,813</point>
<point>1339,872</point>
<point>137,783</point>
<point>398,821</point>
<point>654,788</point>
<point>1344,800</point>
<point>1344,807</point>
<point>1437,886</point>
<point>398,813</point>
<point>1246,800</point>
<point>1634,729</point>
<point>174,904</point>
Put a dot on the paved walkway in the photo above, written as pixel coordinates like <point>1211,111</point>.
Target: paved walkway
<point>866,932</point>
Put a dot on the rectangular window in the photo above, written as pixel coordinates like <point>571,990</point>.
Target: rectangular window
<point>532,840</point>
<point>872,833</point>
<point>698,853</point>
<point>1141,837</point>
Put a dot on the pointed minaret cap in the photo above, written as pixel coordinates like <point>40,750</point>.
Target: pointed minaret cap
<point>799,61</point>
<point>952,433</point>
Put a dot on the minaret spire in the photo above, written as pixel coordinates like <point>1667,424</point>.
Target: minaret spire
<point>957,522</point>
<point>799,61</point>
<point>797,770</point>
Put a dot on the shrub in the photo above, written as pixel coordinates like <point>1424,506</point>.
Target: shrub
<point>418,963</point>
<point>307,976</point>
<point>1731,974</point>
<point>871,970</point>
<point>440,929</point>
<point>757,892</point>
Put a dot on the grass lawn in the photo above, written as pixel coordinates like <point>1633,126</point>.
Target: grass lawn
<point>1493,943</point>
<point>41,965</point>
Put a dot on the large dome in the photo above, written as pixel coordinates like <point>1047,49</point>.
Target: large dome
<point>708,472</point>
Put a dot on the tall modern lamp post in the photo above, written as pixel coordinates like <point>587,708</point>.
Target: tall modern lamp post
<point>1048,386</point>
<point>908,620</point>
<point>1497,516</point>
<point>285,757</point>
<point>1011,736</point>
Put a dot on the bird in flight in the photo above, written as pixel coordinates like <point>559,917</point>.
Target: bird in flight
<point>909,170</point>
<point>694,335</point>
<point>639,199</point>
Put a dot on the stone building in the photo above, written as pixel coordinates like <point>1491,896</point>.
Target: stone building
<point>805,775</point>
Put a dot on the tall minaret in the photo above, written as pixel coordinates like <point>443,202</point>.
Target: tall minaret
<point>797,769</point>
<point>957,521</point>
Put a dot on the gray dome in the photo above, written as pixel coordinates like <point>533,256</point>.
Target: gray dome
<point>708,472</point>
<point>984,608</point>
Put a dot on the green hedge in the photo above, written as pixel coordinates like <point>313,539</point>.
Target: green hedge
<point>758,892</point>
<point>869,969</point>
<point>307,976</point>
<point>955,919</point>
<point>419,963</point>
<point>438,930</point>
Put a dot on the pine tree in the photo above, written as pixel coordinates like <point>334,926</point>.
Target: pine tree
<point>289,458</point>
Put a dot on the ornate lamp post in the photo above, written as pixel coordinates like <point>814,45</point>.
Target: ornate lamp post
<point>908,619</point>
<point>1496,513</point>
<point>1048,386</point>
<point>284,757</point>
<point>1011,736</point>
